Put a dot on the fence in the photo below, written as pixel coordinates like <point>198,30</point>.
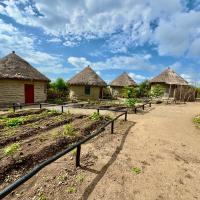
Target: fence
<point>43,164</point>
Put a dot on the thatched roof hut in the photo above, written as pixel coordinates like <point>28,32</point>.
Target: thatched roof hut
<point>87,77</point>
<point>20,82</point>
<point>87,84</point>
<point>174,85</point>
<point>118,84</point>
<point>170,77</point>
<point>123,80</point>
<point>13,66</point>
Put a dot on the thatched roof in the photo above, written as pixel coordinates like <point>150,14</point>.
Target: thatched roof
<point>13,66</point>
<point>87,77</point>
<point>123,80</point>
<point>168,76</point>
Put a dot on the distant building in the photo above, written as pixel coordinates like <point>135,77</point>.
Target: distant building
<point>118,84</point>
<point>173,84</point>
<point>86,85</point>
<point>20,82</point>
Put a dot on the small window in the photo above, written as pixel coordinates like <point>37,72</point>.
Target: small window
<point>87,90</point>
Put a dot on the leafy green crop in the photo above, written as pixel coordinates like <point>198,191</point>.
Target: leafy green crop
<point>130,102</point>
<point>95,116</point>
<point>11,149</point>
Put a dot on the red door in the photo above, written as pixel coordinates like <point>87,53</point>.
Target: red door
<point>29,93</point>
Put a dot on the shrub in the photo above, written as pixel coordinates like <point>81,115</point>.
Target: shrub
<point>197,120</point>
<point>130,102</point>
<point>157,91</point>
<point>11,149</point>
<point>130,92</point>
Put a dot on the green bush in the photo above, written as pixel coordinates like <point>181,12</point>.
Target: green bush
<point>130,102</point>
<point>157,91</point>
<point>197,120</point>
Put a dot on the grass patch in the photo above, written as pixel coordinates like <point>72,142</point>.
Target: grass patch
<point>71,190</point>
<point>136,170</point>
<point>11,149</point>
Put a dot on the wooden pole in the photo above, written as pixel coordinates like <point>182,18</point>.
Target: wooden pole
<point>169,90</point>
<point>180,92</point>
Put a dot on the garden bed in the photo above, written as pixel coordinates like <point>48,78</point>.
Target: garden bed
<point>25,146</point>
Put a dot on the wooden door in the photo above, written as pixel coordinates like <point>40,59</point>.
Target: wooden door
<point>29,93</point>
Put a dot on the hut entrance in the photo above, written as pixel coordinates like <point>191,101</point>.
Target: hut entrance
<point>29,93</point>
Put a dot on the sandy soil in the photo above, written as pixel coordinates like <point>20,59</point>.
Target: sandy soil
<point>164,144</point>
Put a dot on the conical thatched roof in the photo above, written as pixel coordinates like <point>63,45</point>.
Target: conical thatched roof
<point>87,77</point>
<point>123,80</point>
<point>168,76</point>
<point>13,66</point>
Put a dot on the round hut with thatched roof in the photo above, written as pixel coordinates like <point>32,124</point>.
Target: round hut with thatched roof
<point>173,84</point>
<point>118,84</point>
<point>20,82</point>
<point>85,85</point>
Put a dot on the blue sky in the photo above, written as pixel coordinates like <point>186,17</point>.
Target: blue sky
<point>142,37</point>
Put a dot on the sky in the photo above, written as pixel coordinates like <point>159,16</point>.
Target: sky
<point>141,37</point>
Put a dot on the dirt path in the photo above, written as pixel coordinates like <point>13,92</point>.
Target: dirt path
<point>165,145</point>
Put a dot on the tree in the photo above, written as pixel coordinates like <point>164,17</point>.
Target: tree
<point>144,88</point>
<point>130,92</point>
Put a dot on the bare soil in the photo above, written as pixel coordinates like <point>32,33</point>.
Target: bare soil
<point>156,159</point>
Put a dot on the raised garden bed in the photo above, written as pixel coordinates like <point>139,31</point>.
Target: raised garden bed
<point>24,146</point>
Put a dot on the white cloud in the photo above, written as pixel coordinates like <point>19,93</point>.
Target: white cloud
<point>123,24</point>
<point>174,35</point>
<point>175,65</point>
<point>13,39</point>
<point>137,77</point>
<point>133,62</point>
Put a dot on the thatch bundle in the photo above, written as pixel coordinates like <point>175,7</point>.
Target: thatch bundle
<point>87,77</point>
<point>169,77</point>
<point>123,80</point>
<point>13,66</point>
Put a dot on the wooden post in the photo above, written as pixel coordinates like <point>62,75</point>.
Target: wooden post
<point>40,106</point>
<point>180,92</point>
<point>169,90</point>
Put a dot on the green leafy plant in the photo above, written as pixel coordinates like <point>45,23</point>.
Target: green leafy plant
<point>11,149</point>
<point>95,116</point>
<point>13,122</point>
<point>130,102</point>
<point>71,190</point>
<point>157,91</point>
<point>69,130</point>
<point>80,177</point>
<point>130,92</point>
<point>197,120</point>
<point>136,170</point>
<point>74,151</point>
